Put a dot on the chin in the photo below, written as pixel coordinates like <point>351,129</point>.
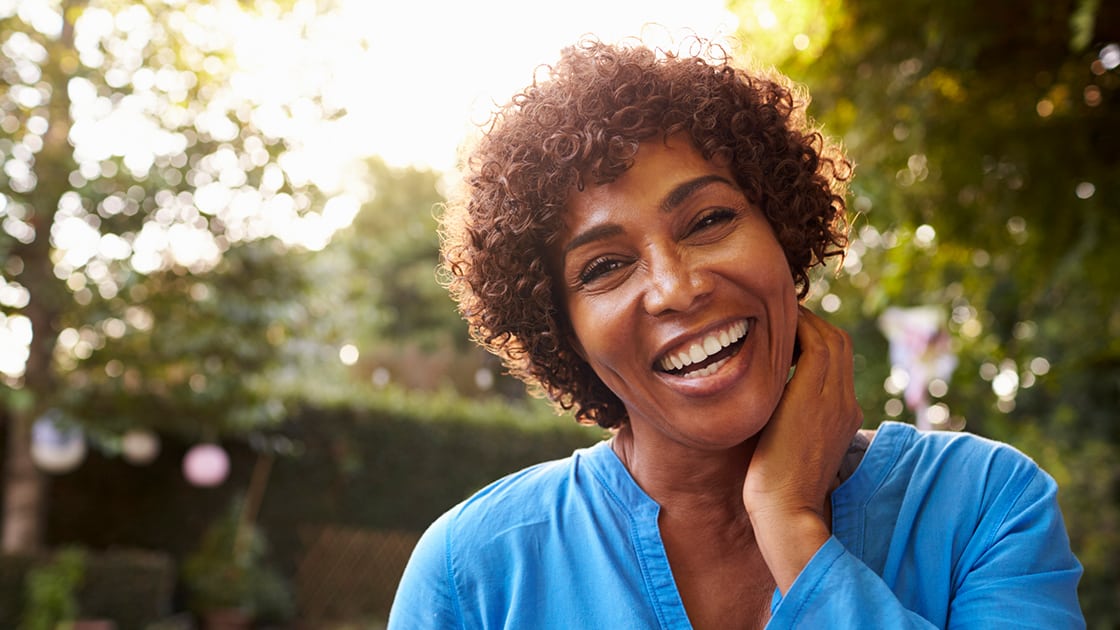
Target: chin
<point>734,435</point>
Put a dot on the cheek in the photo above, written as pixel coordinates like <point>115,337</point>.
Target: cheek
<point>603,340</point>
<point>588,336</point>
<point>581,334</point>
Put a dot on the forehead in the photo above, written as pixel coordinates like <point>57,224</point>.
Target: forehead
<point>658,170</point>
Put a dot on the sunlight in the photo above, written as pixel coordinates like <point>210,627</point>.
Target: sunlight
<point>15,335</point>
<point>404,82</point>
<point>407,82</point>
<point>776,31</point>
<point>413,77</point>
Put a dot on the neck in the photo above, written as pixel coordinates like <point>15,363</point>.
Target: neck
<point>706,485</point>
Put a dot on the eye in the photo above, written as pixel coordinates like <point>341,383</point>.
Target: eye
<point>712,218</point>
<point>598,268</point>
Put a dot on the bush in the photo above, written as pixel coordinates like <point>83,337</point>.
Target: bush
<point>131,587</point>
<point>50,590</point>
<point>228,571</point>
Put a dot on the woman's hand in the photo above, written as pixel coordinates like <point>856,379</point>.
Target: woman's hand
<point>798,454</point>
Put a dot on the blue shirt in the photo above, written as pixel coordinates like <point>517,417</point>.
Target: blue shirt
<point>931,530</point>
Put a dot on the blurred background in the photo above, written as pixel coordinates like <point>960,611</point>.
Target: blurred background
<point>233,394</point>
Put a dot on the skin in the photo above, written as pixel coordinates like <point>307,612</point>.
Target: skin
<point>741,460</point>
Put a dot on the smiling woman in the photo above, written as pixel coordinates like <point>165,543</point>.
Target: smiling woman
<point>674,242</point>
<point>520,185</point>
<point>633,239</point>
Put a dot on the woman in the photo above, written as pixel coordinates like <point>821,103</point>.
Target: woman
<point>633,240</point>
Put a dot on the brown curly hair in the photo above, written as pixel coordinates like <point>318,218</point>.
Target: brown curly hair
<point>580,123</point>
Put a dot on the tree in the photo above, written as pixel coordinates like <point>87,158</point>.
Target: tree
<point>386,262</point>
<point>402,327</point>
<point>153,223</point>
<point>987,142</point>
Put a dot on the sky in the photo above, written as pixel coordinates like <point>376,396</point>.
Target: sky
<point>429,69</point>
<point>410,81</point>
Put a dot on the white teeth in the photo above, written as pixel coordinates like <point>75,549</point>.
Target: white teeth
<point>711,369</point>
<point>710,345</point>
<point>696,353</point>
<point>724,338</point>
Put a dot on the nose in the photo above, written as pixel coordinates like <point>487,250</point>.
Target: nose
<point>674,284</point>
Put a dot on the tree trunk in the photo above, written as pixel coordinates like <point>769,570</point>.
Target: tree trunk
<point>24,485</point>
<point>24,488</point>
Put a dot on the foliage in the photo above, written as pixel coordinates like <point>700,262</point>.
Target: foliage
<point>228,571</point>
<point>395,458</point>
<point>392,249</point>
<point>169,267</point>
<point>987,142</point>
<point>153,219</point>
<point>202,367</point>
<point>131,587</point>
<point>400,324</point>
<point>51,591</point>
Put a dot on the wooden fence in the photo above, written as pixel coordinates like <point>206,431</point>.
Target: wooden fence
<point>349,575</point>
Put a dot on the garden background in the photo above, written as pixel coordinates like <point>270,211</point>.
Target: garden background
<point>201,247</point>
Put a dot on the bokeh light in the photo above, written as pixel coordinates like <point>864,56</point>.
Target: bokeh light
<point>206,465</point>
<point>140,447</point>
<point>348,354</point>
<point>56,448</point>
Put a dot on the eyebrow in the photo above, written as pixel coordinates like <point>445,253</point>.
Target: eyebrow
<point>676,197</point>
<point>594,234</point>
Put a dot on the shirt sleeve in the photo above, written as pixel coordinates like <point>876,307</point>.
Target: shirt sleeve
<point>1023,573</point>
<point>426,595</point>
<point>1016,572</point>
<point>836,590</point>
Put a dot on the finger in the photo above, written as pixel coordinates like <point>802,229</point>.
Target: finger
<point>813,363</point>
<point>831,368</point>
<point>842,375</point>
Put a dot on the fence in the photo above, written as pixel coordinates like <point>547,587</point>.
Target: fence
<point>349,574</point>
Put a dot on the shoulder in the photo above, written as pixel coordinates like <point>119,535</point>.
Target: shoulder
<point>965,491</point>
<point>958,452</point>
<point>479,533</point>
<point>472,560</point>
<point>521,499</point>
<point>905,466</point>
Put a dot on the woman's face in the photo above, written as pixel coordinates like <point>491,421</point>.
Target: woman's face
<point>680,297</point>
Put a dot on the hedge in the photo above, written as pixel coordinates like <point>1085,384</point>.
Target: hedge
<point>394,462</point>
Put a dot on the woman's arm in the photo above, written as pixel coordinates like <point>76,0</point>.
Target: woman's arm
<point>1015,571</point>
<point>798,455</point>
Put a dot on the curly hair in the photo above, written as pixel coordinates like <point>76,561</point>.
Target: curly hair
<point>580,123</point>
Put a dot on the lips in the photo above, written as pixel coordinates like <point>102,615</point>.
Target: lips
<point>704,356</point>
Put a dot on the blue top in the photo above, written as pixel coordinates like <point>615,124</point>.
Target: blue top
<point>931,530</point>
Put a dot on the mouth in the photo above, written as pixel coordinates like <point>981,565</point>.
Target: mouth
<point>705,356</point>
